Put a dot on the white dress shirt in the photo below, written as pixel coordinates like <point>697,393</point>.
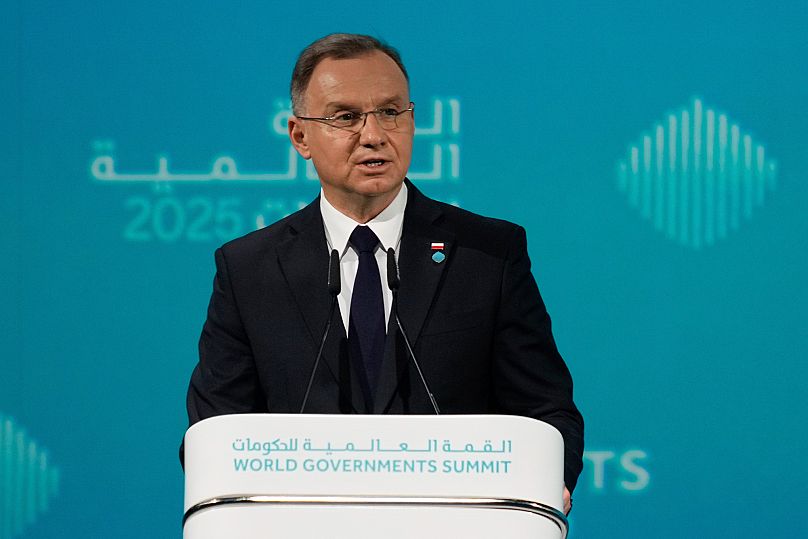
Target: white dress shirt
<point>387,227</point>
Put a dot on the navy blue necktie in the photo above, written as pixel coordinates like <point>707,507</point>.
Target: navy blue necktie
<point>366,333</point>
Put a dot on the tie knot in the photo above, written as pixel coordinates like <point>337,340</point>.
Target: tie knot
<point>363,239</point>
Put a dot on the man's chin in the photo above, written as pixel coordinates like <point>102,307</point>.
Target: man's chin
<point>375,186</point>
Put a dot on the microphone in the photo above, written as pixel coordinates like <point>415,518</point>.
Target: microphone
<point>334,282</point>
<point>393,282</point>
<point>393,279</point>
<point>334,287</point>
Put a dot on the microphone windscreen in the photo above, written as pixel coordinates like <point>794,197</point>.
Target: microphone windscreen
<point>392,270</point>
<point>334,282</point>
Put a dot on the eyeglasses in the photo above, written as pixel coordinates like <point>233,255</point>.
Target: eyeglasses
<point>388,118</point>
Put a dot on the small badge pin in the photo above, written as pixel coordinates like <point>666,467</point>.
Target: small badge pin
<point>437,252</point>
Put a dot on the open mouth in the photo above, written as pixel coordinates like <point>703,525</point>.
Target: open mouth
<point>373,163</point>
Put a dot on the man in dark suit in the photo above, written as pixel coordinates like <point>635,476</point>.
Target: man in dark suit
<point>467,299</point>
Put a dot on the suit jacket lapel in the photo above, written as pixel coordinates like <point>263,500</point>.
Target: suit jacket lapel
<point>420,280</point>
<point>303,258</point>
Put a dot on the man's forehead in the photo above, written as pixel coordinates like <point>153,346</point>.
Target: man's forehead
<point>338,81</point>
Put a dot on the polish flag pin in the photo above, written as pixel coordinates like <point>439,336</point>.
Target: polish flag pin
<point>437,252</point>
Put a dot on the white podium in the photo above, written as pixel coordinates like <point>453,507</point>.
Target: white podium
<point>371,476</point>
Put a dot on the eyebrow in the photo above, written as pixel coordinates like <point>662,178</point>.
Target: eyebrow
<point>337,105</point>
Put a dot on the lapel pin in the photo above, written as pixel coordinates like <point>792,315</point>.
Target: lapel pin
<point>437,252</point>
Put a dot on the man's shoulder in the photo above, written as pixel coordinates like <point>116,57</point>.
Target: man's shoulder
<point>464,220</point>
<point>264,239</point>
<point>473,229</point>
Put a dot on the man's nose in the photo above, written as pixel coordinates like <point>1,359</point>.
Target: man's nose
<point>372,133</point>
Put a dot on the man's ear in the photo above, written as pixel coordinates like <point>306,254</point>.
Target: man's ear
<point>297,134</point>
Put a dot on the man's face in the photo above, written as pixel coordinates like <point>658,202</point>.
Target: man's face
<point>372,162</point>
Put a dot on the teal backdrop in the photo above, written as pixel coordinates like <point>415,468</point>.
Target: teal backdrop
<point>656,153</point>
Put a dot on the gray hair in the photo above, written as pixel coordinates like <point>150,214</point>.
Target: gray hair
<point>341,47</point>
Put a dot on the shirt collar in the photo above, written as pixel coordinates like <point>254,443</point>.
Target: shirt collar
<point>387,225</point>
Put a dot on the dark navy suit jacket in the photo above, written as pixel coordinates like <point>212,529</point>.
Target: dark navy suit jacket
<point>477,323</point>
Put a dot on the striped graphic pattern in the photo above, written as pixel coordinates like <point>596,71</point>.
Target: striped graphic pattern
<point>696,176</point>
<point>27,480</point>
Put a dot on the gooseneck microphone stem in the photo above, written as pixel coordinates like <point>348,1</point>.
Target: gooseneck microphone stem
<point>412,355</point>
<point>393,283</point>
<point>334,286</point>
